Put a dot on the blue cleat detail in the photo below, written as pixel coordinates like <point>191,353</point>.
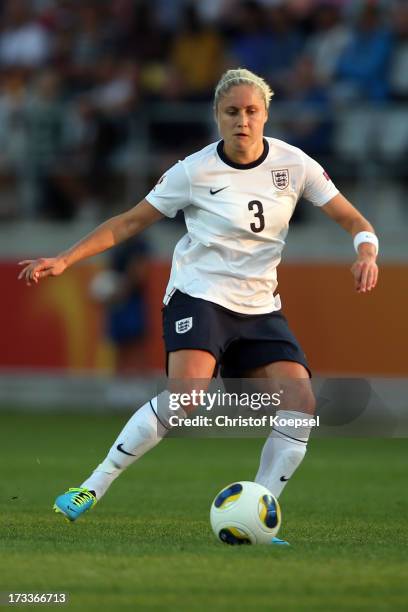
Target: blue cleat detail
<point>279,542</point>
<point>75,502</point>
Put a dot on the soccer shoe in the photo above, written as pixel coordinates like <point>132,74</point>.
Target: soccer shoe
<point>278,542</point>
<point>74,502</point>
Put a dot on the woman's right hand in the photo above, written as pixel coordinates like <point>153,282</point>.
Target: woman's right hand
<point>36,269</point>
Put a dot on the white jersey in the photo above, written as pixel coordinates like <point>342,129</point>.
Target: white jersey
<point>237,218</point>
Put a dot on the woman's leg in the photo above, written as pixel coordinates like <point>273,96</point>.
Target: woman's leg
<point>286,445</point>
<point>149,424</point>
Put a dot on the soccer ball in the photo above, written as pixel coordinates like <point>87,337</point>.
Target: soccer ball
<point>245,513</point>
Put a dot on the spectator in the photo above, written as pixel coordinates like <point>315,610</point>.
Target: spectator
<point>32,143</point>
<point>398,73</point>
<point>148,42</point>
<point>310,126</point>
<point>94,39</point>
<point>12,143</point>
<point>250,41</point>
<point>327,43</point>
<point>197,57</point>
<point>44,117</point>
<point>143,38</point>
<point>23,42</point>
<point>115,87</point>
<point>362,67</point>
<point>285,44</point>
<point>121,290</point>
<point>170,14</point>
<point>98,127</point>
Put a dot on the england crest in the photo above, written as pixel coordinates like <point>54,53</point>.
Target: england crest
<point>280,178</point>
<point>184,325</point>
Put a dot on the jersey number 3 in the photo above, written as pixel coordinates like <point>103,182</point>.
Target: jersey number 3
<point>260,224</point>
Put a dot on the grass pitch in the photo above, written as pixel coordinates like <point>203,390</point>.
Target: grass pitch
<point>148,544</point>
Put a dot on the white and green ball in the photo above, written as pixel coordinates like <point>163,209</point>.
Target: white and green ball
<point>245,513</point>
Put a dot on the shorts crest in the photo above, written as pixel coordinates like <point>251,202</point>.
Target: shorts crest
<point>184,325</point>
<point>280,178</point>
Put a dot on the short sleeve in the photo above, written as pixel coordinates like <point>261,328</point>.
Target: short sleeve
<point>171,192</point>
<point>318,186</point>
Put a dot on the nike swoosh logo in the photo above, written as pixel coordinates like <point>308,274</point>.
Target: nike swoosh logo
<point>123,451</point>
<point>214,191</point>
<point>283,479</point>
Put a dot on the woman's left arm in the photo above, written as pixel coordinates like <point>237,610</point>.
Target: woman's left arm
<point>364,269</point>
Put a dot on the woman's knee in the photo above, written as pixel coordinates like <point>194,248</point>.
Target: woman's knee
<point>190,372</point>
<point>191,364</point>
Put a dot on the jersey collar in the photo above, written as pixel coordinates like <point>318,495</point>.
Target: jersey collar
<point>254,164</point>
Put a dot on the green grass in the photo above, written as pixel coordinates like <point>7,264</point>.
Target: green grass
<point>148,544</point>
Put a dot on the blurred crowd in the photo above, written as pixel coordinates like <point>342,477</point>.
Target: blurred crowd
<point>76,76</point>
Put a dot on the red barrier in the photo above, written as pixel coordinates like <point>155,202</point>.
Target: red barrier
<point>56,324</point>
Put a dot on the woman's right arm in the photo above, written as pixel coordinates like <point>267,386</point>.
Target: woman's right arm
<point>108,234</point>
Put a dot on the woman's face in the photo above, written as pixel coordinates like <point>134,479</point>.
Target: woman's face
<point>241,116</point>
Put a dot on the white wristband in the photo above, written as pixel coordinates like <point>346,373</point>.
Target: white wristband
<point>365,237</point>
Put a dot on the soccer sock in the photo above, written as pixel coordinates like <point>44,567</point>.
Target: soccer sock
<point>283,452</point>
<point>143,431</point>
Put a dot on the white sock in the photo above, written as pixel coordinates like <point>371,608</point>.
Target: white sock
<point>146,428</point>
<point>282,453</point>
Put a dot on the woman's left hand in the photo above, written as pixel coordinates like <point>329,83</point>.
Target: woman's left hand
<point>365,272</point>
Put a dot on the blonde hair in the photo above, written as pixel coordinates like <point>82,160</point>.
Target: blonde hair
<point>241,76</point>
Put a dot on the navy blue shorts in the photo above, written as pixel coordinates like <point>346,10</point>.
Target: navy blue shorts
<point>239,342</point>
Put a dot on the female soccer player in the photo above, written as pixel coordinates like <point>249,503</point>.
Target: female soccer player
<point>238,196</point>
